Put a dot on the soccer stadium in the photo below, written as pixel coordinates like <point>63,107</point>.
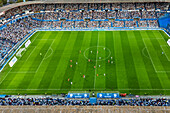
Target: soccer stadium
<point>85,56</point>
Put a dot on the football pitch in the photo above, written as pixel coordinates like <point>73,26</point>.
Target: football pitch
<point>136,62</point>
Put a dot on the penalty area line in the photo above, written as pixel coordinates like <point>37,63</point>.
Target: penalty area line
<point>164,52</point>
<point>44,56</point>
<point>152,60</point>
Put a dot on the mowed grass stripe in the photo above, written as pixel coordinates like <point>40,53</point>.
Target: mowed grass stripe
<point>129,63</point>
<point>28,76</point>
<point>111,78</point>
<point>32,65</point>
<point>163,35</point>
<point>127,47</point>
<point>58,47</point>
<point>155,81</point>
<point>78,79</point>
<point>122,81</point>
<point>100,82</point>
<point>147,63</point>
<point>154,51</point>
<point>138,62</point>
<point>38,76</point>
<point>165,63</point>
<point>166,79</point>
<point>90,70</point>
<point>162,57</point>
<point>53,64</point>
<point>86,45</point>
<point>14,79</point>
<point>70,71</point>
<point>8,69</point>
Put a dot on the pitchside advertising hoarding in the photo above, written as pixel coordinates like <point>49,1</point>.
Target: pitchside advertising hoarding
<point>78,95</point>
<point>107,95</point>
<point>87,95</point>
<point>13,61</point>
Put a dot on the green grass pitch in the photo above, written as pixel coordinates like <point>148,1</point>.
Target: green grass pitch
<point>139,63</point>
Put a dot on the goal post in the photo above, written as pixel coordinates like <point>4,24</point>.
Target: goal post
<point>19,53</point>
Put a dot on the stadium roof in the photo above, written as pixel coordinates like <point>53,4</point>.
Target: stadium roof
<point>5,8</point>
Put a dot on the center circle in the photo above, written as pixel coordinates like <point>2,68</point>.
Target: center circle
<point>97,53</point>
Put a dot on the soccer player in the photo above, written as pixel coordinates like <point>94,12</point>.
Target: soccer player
<point>104,74</point>
<point>91,52</point>
<point>162,52</point>
<point>71,83</point>
<point>84,76</point>
<point>76,62</point>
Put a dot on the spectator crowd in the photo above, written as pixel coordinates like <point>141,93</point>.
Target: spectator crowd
<point>85,102</point>
<point>92,15</point>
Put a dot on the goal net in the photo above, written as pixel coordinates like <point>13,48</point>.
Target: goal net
<point>18,54</point>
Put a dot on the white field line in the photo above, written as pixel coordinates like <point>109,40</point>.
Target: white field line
<point>152,60</point>
<point>144,53</point>
<point>164,52</point>
<point>13,66</point>
<point>162,36</point>
<point>96,61</point>
<point>35,37</point>
<point>23,72</point>
<point>50,54</point>
<point>98,47</point>
<point>29,56</point>
<point>6,75</point>
<point>30,53</point>
<point>149,56</point>
<point>164,45</point>
<point>81,89</point>
<point>44,57</point>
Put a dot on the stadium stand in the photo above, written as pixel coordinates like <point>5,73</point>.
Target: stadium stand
<point>19,21</point>
<point>84,102</point>
<point>69,16</point>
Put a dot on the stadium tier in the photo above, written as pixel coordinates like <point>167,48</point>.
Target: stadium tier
<point>15,23</point>
<point>96,52</point>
